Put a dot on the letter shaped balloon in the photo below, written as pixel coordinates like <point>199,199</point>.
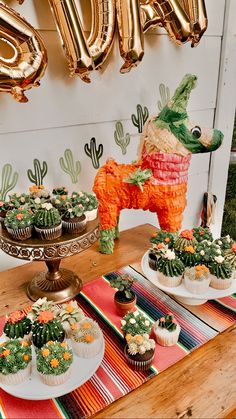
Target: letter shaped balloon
<point>29,57</point>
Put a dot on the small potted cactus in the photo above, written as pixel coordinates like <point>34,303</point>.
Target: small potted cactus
<point>140,351</point>
<point>17,325</point>
<point>73,219</point>
<point>15,362</point>
<point>19,223</point>
<point>48,223</point>
<point>46,328</point>
<point>221,273</point>
<point>134,323</point>
<point>167,330</point>
<point>124,298</point>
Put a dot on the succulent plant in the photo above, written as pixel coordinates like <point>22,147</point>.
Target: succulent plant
<point>168,322</point>
<point>39,192</point>
<point>18,200</point>
<point>54,358</point>
<point>139,177</point>
<point>134,323</point>
<point>47,216</point>
<point>123,283</point>
<point>70,313</point>
<point>19,218</point>
<point>15,355</point>
<point>46,328</point>
<point>17,325</point>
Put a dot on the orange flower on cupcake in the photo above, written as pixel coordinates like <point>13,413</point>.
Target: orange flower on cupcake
<point>15,317</point>
<point>189,249</point>
<point>234,248</point>
<point>45,316</point>
<point>187,234</point>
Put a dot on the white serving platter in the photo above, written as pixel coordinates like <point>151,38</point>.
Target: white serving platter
<point>180,293</point>
<point>34,389</point>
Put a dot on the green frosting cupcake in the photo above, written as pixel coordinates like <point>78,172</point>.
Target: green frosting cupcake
<point>15,355</point>
<point>185,239</point>
<point>230,256</point>
<point>225,242</point>
<point>19,218</point>
<point>47,328</point>
<point>163,237</point>
<point>189,256</point>
<point>17,325</point>
<point>208,251</point>
<point>201,234</point>
<point>135,323</point>
<point>47,216</point>
<point>171,267</point>
<point>54,358</point>
<point>220,268</point>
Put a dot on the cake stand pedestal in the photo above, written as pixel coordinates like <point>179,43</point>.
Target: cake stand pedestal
<point>57,284</point>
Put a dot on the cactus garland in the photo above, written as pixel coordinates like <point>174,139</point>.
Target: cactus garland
<point>69,166</point>
<point>9,181</point>
<point>121,139</point>
<point>141,118</point>
<point>39,172</point>
<point>93,152</point>
<point>165,96</point>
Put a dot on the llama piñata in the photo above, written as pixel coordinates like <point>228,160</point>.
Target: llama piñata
<point>158,181</point>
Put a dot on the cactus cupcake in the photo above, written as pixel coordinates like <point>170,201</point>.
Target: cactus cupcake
<point>225,242</point>
<point>163,237</point>
<point>17,325</point>
<point>4,207</point>
<point>74,220</point>
<point>15,362</point>
<point>54,363</point>
<point>167,330</point>
<point>189,256</point>
<point>197,279</point>
<point>88,201</point>
<point>134,323</point>
<point>139,352</point>
<point>87,338</point>
<point>221,273</point>
<point>60,191</point>
<point>69,315</point>
<point>39,192</point>
<point>207,251</point>
<point>230,256</point>
<point>42,304</point>
<point>48,224</point>
<point>186,238</point>
<point>170,269</point>
<point>19,200</point>
<point>201,234</point>
<point>19,223</point>
<point>46,328</point>
<point>60,203</point>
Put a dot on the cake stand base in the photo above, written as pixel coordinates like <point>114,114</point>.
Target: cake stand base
<point>189,301</point>
<point>59,286</point>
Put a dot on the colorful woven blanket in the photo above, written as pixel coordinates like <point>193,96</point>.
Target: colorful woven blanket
<point>114,378</point>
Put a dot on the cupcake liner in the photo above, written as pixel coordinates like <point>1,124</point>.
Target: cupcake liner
<point>152,261</point>
<point>87,350</point>
<point>196,287</point>
<point>169,281</point>
<point>55,380</point>
<point>49,233</point>
<point>74,228</point>
<point>20,233</point>
<point>17,378</point>
<point>166,338</point>
<point>219,283</point>
<point>91,215</point>
<point>139,365</point>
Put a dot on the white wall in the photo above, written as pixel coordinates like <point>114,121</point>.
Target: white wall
<point>66,113</point>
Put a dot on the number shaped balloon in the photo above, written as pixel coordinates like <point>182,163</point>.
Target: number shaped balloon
<point>28,62</point>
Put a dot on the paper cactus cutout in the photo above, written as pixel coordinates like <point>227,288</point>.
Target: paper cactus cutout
<point>69,166</point>
<point>165,96</point>
<point>94,153</point>
<point>121,139</point>
<point>9,180</point>
<point>141,118</point>
<point>39,172</point>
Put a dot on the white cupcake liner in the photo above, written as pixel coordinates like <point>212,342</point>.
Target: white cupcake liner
<point>139,365</point>
<point>219,283</point>
<point>74,228</point>
<point>17,378</point>
<point>87,350</point>
<point>55,380</point>
<point>169,281</point>
<point>20,233</point>
<point>195,286</point>
<point>91,215</point>
<point>49,233</point>
<point>166,338</point>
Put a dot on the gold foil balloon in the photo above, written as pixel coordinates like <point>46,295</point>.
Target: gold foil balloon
<point>131,38</point>
<point>196,10</point>
<point>28,61</point>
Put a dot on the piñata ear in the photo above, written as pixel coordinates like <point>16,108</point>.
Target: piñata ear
<point>180,99</point>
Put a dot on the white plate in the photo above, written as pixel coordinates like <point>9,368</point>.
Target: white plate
<point>33,389</point>
<point>180,292</point>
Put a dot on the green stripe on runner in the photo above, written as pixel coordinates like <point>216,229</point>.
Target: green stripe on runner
<point>226,306</point>
<point>61,409</point>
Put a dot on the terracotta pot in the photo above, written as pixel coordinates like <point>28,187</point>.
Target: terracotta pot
<point>122,307</point>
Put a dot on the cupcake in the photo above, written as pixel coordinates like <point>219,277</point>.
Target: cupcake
<point>46,327</point>
<point>15,362</point>
<point>221,273</point>
<point>189,256</point>
<point>197,279</point>
<point>35,204</point>
<point>225,242</point>
<point>134,323</point>
<point>207,251</point>
<point>19,200</point>
<point>89,203</point>
<point>139,352</point>
<point>74,220</point>
<point>61,191</point>
<point>163,237</point>
<point>230,257</point>
<point>170,269</point>
<point>87,338</point>
<point>54,363</point>
<point>167,330</point>
<point>155,253</point>
<point>17,325</point>
<point>19,223</point>
<point>201,234</point>
<point>42,304</point>
<point>60,203</point>
<point>47,221</point>
<point>4,207</point>
<point>69,315</point>
<point>39,192</point>
<point>186,238</point>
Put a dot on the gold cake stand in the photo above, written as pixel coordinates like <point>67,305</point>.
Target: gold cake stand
<point>57,284</point>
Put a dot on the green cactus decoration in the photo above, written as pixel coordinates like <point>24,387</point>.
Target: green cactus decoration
<point>18,329</point>
<point>39,172</point>
<point>44,332</point>
<point>107,241</point>
<point>121,140</point>
<point>165,96</point>
<point>9,181</point>
<point>138,178</point>
<point>69,166</point>
<point>47,217</point>
<point>141,118</point>
<point>94,153</point>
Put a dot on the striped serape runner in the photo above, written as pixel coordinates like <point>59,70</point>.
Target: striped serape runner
<point>114,378</point>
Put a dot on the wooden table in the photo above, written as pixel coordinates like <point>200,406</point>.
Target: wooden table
<point>202,385</point>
